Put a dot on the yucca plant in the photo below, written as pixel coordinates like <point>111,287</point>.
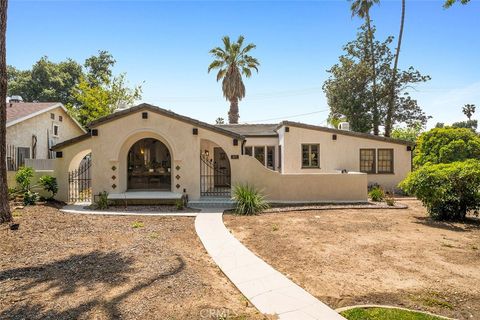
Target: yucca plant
<point>248,200</point>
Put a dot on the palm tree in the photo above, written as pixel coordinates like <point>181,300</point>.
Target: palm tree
<point>361,9</point>
<point>233,61</point>
<point>391,98</point>
<point>5,214</point>
<point>469,110</point>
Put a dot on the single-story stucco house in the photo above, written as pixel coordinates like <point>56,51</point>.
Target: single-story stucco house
<point>147,148</point>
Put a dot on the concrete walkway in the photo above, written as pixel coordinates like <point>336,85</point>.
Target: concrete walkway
<point>266,288</point>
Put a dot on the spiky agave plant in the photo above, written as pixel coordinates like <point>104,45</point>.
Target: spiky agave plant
<point>248,200</point>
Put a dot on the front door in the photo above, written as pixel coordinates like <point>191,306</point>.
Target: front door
<point>149,166</point>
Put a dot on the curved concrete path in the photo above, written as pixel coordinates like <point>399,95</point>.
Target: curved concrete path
<point>266,288</point>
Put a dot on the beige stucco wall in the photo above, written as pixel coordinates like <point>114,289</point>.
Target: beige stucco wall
<point>343,153</point>
<point>301,187</point>
<point>20,134</point>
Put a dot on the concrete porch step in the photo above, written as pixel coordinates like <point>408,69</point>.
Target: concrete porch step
<point>212,202</point>
<point>145,198</point>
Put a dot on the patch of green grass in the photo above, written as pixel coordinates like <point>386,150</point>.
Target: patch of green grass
<point>275,227</point>
<point>16,213</point>
<point>385,314</point>
<point>137,224</point>
<point>436,302</point>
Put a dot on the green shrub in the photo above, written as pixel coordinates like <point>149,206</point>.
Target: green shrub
<point>23,177</point>
<point>179,204</point>
<point>49,183</point>
<point>376,194</point>
<point>390,200</point>
<point>102,202</point>
<point>448,191</point>
<point>248,200</point>
<point>445,145</point>
<point>30,197</point>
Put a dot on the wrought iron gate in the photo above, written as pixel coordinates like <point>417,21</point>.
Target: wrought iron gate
<point>79,182</point>
<point>214,180</point>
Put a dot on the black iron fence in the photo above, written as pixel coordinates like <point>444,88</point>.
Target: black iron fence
<point>214,181</point>
<point>79,183</point>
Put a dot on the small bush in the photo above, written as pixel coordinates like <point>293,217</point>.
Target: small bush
<point>179,204</point>
<point>376,194</point>
<point>390,200</point>
<point>102,201</point>
<point>448,191</point>
<point>248,200</point>
<point>49,184</point>
<point>23,177</point>
<point>30,197</point>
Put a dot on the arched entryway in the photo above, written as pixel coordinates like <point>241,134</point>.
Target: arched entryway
<point>149,166</point>
<point>80,178</point>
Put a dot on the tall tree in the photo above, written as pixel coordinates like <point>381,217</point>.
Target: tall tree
<point>449,3</point>
<point>393,93</point>
<point>349,89</point>
<point>233,61</point>
<point>468,110</point>
<point>5,213</point>
<point>361,8</point>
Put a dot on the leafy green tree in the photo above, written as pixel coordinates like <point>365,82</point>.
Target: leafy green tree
<point>349,89</point>
<point>469,124</point>
<point>233,61</point>
<point>445,145</point>
<point>95,101</point>
<point>449,3</point>
<point>99,68</point>
<point>361,8</point>
<point>219,120</point>
<point>409,133</point>
<point>46,81</point>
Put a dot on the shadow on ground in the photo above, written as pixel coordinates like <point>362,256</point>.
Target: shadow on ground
<point>467,225</point>
<point>84,271</point>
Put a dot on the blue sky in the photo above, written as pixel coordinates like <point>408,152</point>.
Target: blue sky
<point>165,44</point>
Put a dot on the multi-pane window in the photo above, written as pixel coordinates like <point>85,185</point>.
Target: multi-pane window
<point>248,151</point>
<point>367,160</point>
<point>271,157</point>
<point>259,153</point>
<point>60,118</point>
<point>385,160</point>
<point>310,156</point>
<point>52,116</point>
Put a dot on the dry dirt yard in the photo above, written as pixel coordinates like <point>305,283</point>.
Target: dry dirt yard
<point>396,257</point>
<point>64,266</point>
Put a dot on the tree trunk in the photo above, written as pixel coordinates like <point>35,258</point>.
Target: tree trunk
<point>233,113</point>
<point>391,100</point>
<point>375,112</point>
<point>5,214</point>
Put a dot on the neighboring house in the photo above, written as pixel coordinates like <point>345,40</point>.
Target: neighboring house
<point>146,148</point>
<point>33,128</point>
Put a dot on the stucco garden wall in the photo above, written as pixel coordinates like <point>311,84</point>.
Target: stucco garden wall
<point>37,175</point>
<point>319,187</point>
<point>343,153</point>
<point>20,134</point>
